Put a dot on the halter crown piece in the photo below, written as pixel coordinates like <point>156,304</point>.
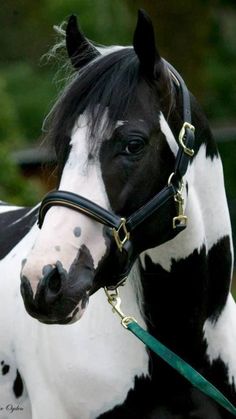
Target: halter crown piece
<point>121,227</point>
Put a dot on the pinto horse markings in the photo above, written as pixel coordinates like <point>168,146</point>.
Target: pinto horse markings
<point>114,131</point>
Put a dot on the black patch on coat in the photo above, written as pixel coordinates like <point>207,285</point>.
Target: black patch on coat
<point>18,386</point>
<point>143,402</point>
<point>77,231</point>
<point>203,132</point>
<point>14,225</point>
<point>5,368</point>
<point>219,263</point>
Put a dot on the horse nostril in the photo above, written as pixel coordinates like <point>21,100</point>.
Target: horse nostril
<point>54,281</point>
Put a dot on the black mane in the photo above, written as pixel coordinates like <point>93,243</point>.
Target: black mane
<point>110,81</point>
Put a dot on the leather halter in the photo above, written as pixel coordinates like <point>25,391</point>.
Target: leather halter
<point>122,228</point>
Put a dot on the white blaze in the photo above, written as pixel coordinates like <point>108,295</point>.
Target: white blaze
<point>206,203</point>
<point>58,239</point>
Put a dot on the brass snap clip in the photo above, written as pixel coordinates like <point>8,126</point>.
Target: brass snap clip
<point>180,220</point>
<point>113,298</point>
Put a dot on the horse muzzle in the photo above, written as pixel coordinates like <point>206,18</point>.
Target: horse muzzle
<point>61,297</point>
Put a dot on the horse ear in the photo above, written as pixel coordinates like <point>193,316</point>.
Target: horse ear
<point>145,47</point>
<point>79,49</point>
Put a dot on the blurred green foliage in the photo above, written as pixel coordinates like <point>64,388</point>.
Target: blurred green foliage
<point>198,37</point>
<point>228,154</point>
<point>13,187</point>
<point>27,86</point>
<point>220,64</point>
<point>31,90</point>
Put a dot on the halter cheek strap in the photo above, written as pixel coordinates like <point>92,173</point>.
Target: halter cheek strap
<point>122,228</point>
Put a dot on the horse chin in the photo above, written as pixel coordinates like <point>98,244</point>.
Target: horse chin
<point>76,315</point>
<point>63,310</point>
<point>72,318</point>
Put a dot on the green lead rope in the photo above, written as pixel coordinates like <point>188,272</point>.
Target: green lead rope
<point>181,366</point>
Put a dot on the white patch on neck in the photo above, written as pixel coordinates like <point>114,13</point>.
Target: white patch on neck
<point>221,339</point>
<point>207,211</point>
<point>168,134</point>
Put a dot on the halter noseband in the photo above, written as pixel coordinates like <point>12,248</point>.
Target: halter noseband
<point>121,227</point>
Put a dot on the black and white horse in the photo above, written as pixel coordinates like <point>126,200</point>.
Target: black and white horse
<point>114,130</point>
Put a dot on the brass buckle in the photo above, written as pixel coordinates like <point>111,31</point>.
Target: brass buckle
<point>188,151</point>
<point>122,229</point>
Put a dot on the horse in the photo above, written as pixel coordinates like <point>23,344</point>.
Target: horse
<point>120,134</point>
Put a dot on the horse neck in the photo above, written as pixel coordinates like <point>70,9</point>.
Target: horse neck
<point>186,280</point>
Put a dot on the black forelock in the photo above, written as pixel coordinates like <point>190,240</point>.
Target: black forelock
<point>110,81</point>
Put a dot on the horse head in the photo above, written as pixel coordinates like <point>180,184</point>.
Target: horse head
<point>114,147</point>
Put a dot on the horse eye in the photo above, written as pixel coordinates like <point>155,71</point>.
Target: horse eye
<point>135,146</point>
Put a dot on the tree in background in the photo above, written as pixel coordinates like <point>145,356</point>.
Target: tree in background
<point>27,35</point>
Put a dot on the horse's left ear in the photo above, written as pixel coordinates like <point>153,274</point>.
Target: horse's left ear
<point>79,49</point>
<point>145,47</point>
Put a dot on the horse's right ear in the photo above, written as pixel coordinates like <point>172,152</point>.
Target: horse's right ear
<point>145,46</point>
<point>80,50</point>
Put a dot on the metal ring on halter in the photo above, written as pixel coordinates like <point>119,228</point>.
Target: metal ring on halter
<point>122,229</point>
<point>170,178</point>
